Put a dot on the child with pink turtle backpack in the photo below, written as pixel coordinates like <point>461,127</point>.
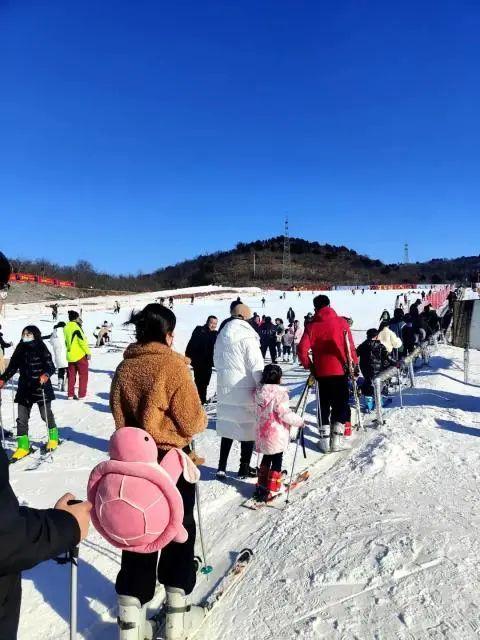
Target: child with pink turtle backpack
<point>274,421</point>
<point>153,391</point>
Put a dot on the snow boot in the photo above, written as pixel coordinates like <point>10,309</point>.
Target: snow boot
<point>336,436</point>
<point>348,429</point>
<point>261,490</point>
<point>221,475</point>
<point>246,471</point>
<point>52,443</point>
<point>22,450</point>
<point>369,403</point>
<point>132,619</point>
<point>182,619</point>
<point>274,484</point>
<point>324,441</point>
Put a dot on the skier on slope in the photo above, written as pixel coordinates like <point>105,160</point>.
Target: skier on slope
<point>57,342</point>
<point>274,418</point>
<point>239,364</point>
<point>297,332</point>
<point>33,361</point>
<point>268,339</point>
<point>325,336</point>
<point>78,356</point>
<point>290,315</point>
<point>153,389</point>
<point>200,351</point>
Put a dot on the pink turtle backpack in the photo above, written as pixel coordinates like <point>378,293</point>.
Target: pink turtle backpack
<point>136,504</point>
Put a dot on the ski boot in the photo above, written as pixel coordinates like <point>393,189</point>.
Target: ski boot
<point>261,489</point>
<point>246,471</point>
<point>52,443</point>
<point>348,429</point>
<point>132,619</point>
<point>23,449</point>
<point>335,437</point>
<point>182,619</point>
<point>274,484</point>
<point>369,403</point>
<point>324,440</point>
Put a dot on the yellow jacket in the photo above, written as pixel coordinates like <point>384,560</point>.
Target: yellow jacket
<point>76,342</point>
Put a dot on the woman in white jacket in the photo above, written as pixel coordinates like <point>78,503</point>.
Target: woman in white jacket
<point>388,338</point>
<point>59,349</point>
<point>239,364</point>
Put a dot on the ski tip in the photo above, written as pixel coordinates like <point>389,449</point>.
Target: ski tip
<point>245,553</point>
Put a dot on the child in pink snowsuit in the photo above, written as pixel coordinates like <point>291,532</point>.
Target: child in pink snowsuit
<point>274,420</point>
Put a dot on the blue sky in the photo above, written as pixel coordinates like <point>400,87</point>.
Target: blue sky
<point>137,134</point>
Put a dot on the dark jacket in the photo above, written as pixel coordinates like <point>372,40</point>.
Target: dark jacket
<point>373,358</point>
<point>200,347</point>
<point>27,537</point>
<point>3,345</point>
<point>408,338</point>
<point>31,360</point>
<point>268,334</point>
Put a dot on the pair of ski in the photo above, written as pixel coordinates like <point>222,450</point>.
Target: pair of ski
<point>299,479</point>
<point>233,576</point>
<point>44,456</point>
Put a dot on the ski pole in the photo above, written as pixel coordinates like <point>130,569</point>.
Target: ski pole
<point>400,386</point>
<point>206,569</point>
<point>1,422</point>
<point>293,465</point>
<point>13,403</point>
<point>74,554</point>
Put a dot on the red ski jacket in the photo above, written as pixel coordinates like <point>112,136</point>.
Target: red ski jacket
<point>325,337</point>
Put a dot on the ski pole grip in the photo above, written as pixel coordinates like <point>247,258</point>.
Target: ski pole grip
<point>72,502</point>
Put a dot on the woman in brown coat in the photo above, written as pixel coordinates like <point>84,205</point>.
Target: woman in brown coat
<point>153,389</point>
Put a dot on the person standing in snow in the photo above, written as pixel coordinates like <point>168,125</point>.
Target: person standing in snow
<point>33,361</point>
<point>239,364</point>
<point>388,338</point>
<point>268,339</point>
<point>200,351</point>
<point>3,345</point>
<point>325,337</point>
<point>274,419</point>
<point>290,315</point>
<point>78,356</point>
<point>297,331</point>
<point>373,358</point>
<point>263,302</point>
<point>57,342</point>
<point>287,343</point>
<point>152,389</point>
<point>279,333</point>
<point>170,302</point>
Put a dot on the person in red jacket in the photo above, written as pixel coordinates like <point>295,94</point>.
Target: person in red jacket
<point>322,350</point>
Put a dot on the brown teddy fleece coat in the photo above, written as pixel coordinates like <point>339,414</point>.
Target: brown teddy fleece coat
<point>153,389</point>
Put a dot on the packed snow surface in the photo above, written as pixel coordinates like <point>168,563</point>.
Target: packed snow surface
<point>381,542</point>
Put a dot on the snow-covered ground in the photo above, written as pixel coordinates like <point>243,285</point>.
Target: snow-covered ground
<point>381,542</point>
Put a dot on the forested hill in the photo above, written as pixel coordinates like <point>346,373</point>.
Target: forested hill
<point>312,264</point>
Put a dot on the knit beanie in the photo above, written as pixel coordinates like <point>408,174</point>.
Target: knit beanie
<point>242,310</point>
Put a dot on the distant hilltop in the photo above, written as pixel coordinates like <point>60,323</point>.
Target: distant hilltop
<point>259,263</point>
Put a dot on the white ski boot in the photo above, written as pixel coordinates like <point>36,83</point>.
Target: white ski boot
<point>336,436</point>
<point>132,619</point>
<point>182,619</point>
<point>324,440</point>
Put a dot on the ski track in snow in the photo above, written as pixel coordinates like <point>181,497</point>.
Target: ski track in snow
<point>381,542</point>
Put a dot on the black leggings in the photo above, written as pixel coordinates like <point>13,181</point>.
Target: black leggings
<point>272,348</point>
<point>246,450</point>
<point>176,568</point>
<point>273,462</point>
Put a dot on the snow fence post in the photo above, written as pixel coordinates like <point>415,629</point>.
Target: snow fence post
<point>378,400</point>
<point>411,374</point>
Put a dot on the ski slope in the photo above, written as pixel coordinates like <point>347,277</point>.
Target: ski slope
<point>381,542</point>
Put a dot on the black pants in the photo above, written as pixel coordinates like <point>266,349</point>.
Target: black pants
<point>273,462</point>
<point>24,416</point>
<point>10,608</point>
<point>176,568</point>
<point>246,450</point>
<point>287,349</point>
<point>334,399</point>
<point>272,348</point>
<point>61,373</point>
<point>202,377</point>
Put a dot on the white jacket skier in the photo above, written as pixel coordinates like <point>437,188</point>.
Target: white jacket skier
<point>389,339</point>
<point>239,364</point>
<point>59,348</point>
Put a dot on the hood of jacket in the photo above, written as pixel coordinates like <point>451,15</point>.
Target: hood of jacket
<point>236,330</point>
<point>267,393</point>
<point>327,313</point>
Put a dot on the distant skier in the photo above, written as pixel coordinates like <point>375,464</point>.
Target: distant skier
<point>57,342</point>
<point>54,308</point>
<point>297,333</point>
<point>385,317</point>
<point>200,351</point>
<point>33,361</point>
<point>116,307</point>
<point>274,419</point>
<point>290,315</point>
<point>280,332</point>
<point>263,303</point>
<point>325,337</point>
<point>268,339</point>
<point>78,356</point>
<point>192,299</point>
<point>170,302</point>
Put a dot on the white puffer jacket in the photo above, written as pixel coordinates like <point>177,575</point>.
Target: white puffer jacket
<point>239,364</point>
<point>57,342</point>
<point>389,339</point>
